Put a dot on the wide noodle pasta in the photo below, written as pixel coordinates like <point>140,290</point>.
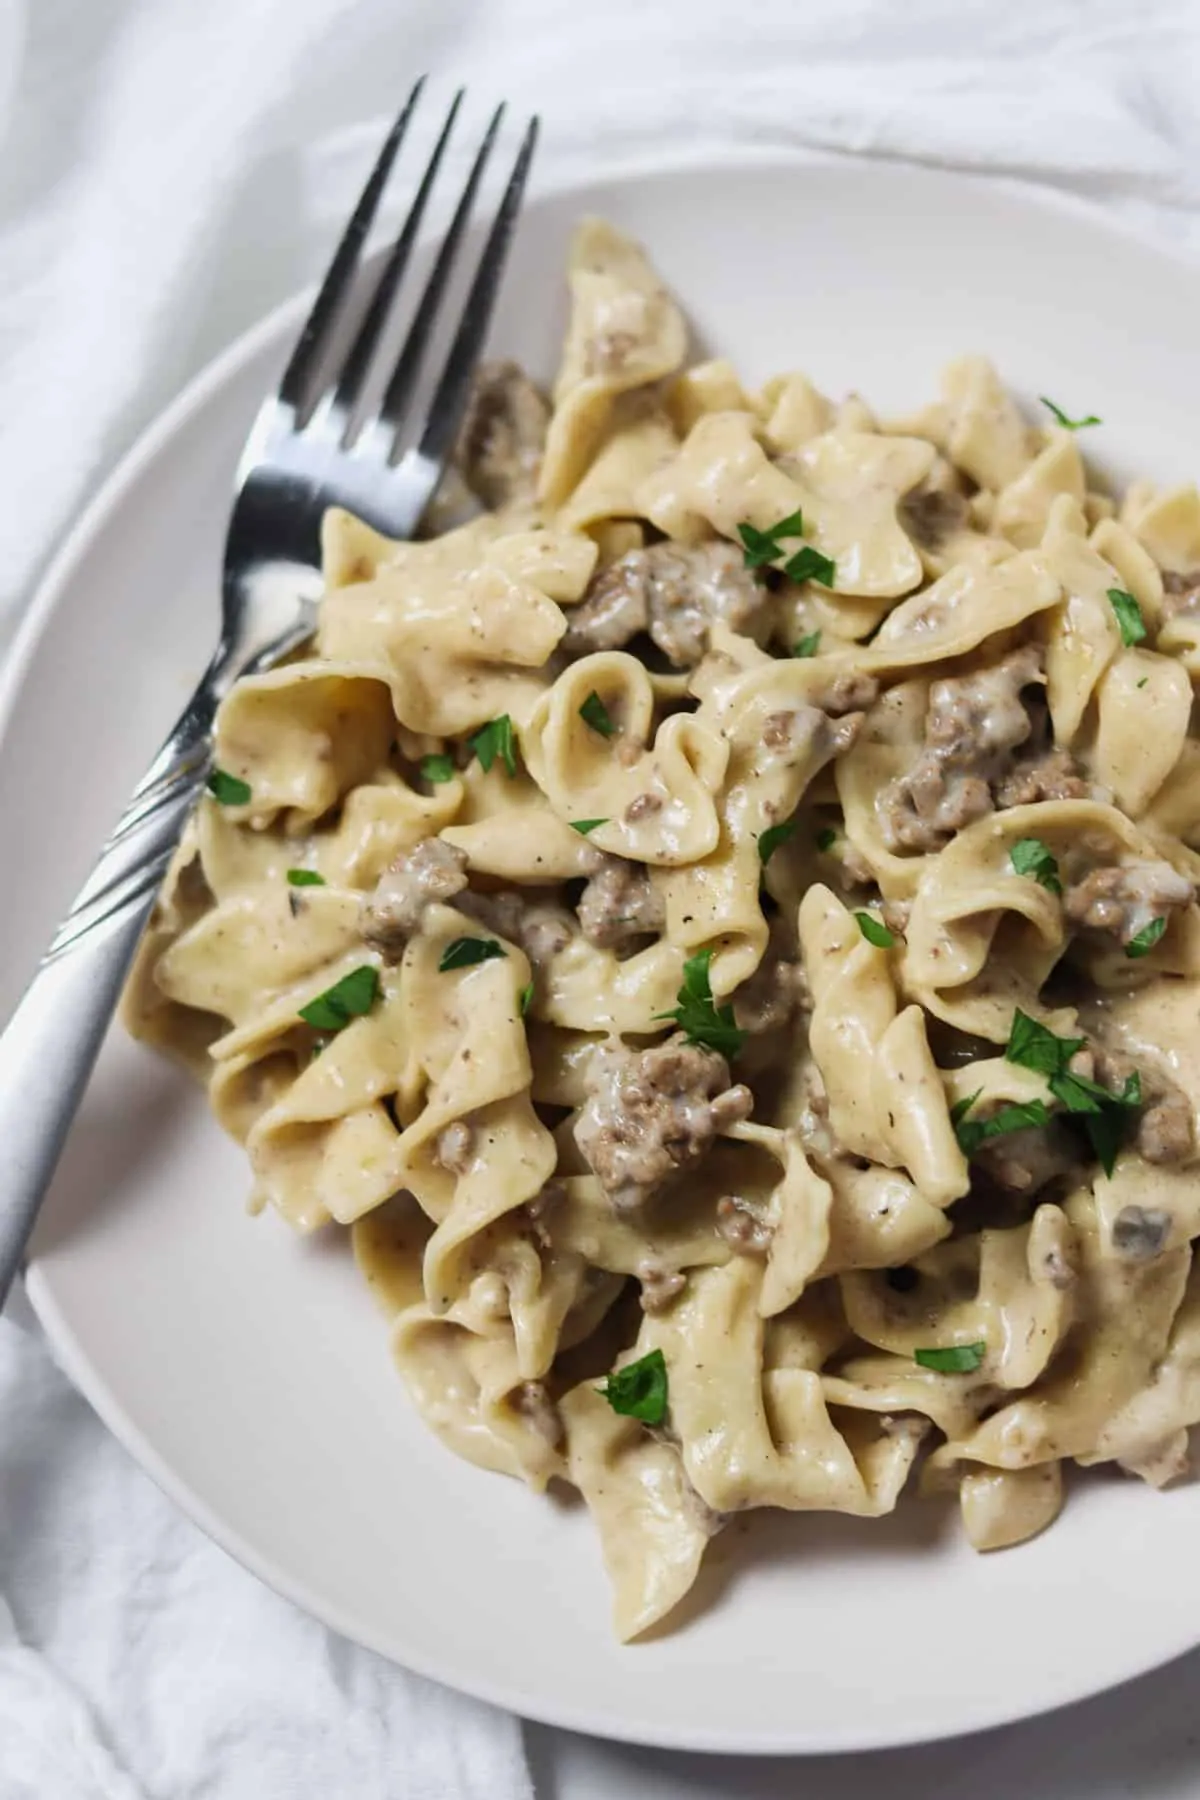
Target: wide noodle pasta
<point>718,925</point>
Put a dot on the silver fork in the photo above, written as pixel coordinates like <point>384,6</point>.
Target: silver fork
<point>295,465</point>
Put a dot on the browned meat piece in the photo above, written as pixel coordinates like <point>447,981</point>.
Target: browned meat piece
<point>651,1114</point>
<point>454,1146</point>
<point>541,927</point>
<point>896,914</point>
<point>430,871</point>
<point>1140,1233</point>
<point>1164,1132</point>
<point>806,730</point>
<point>972,725</point>
<point>503,435</point>
<point>930,515</point>
<point>741,1227</point>
<point>541,1210</point>
<point>1032,779</point>
<point>1026,1161</point>
<point>855,867</point>
<point>613,609</point>
<point>619,905</point>
<point>1124,898</point>
<point>533,1402</point>
<point>849,691</point>
<point>674,592</point>
<point>660,1285</point>
<point>769,997</point>
<point>1181,591</point>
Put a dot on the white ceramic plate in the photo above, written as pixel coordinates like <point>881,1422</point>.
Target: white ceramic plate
<point>249,1372</point>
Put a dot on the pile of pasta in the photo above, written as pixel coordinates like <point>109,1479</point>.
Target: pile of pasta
<point>938,1238</point>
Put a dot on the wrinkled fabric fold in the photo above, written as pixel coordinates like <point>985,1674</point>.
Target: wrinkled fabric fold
<point>170,172</point>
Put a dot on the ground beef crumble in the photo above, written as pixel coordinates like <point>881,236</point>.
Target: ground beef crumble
<point>972,726</point>
<point>1122,899</point>
<point>431,871</point>
<point>503,435</point>
<point>676,593</point>
<point>651,1114</point>
<point>620,905</point>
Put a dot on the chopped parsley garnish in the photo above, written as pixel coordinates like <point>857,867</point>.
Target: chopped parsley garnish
<point>639,1390</point>
<point>465,952</point>
<point>762,547</point>
<point>1143,681</point>
<point>955,1359</point>
<point>1033,1046</point>
<point>227,789</point>
<point>349,998</point>
<point>439,768</point>
<point>1061,418</point>
<point>1129,616</point>
<point>586,826</point>
<point>593,712</point>
<point>305,878</point>
<point>809,565</point>
<point>808,646</point>
<point>698,1016</point>
<point>496,739</point>
<point>1144,940</point>
<point>526,1000</point>
<point>875,931</point>
<point>770,839</point>
<point>961,1108</point>
<point>1020,1116</point>
<point>1029,856</point>
<point>826,839</point>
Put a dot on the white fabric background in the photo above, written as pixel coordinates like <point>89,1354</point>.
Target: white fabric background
<point>172,169</point>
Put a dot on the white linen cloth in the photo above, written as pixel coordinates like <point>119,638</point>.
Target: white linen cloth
<point>172,169</point>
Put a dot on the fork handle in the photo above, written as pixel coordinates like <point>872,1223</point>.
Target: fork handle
<point>50,1045</point>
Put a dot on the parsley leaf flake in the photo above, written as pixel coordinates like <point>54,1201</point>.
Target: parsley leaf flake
<point>227,789</point>
<point>955,1359</point>
<point>1129,616</point>
<point>1019,1116</point>
<point>349,998</point>
<point>759,548</point>
<point>496,739</point>
<point>1143,941</point>
<point>1060,417</point>
<point>809,565</point>
<point>770,839</point>
<point>593,712</point>
<point>1029,856</point>
<point>698,1016</point>
<point>639,1390</point>
<point>465,952</point>
<point>875,931</point>
<point>437,768</point>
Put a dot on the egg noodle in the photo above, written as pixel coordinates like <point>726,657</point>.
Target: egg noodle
<point>718,926</point>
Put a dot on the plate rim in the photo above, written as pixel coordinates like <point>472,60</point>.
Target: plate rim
<point>49,590</point>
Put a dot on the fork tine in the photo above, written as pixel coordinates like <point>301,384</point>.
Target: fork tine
<point>340,274</point>
<point>358,361</point>
<point>412,354</point>
<point>450,396</point>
